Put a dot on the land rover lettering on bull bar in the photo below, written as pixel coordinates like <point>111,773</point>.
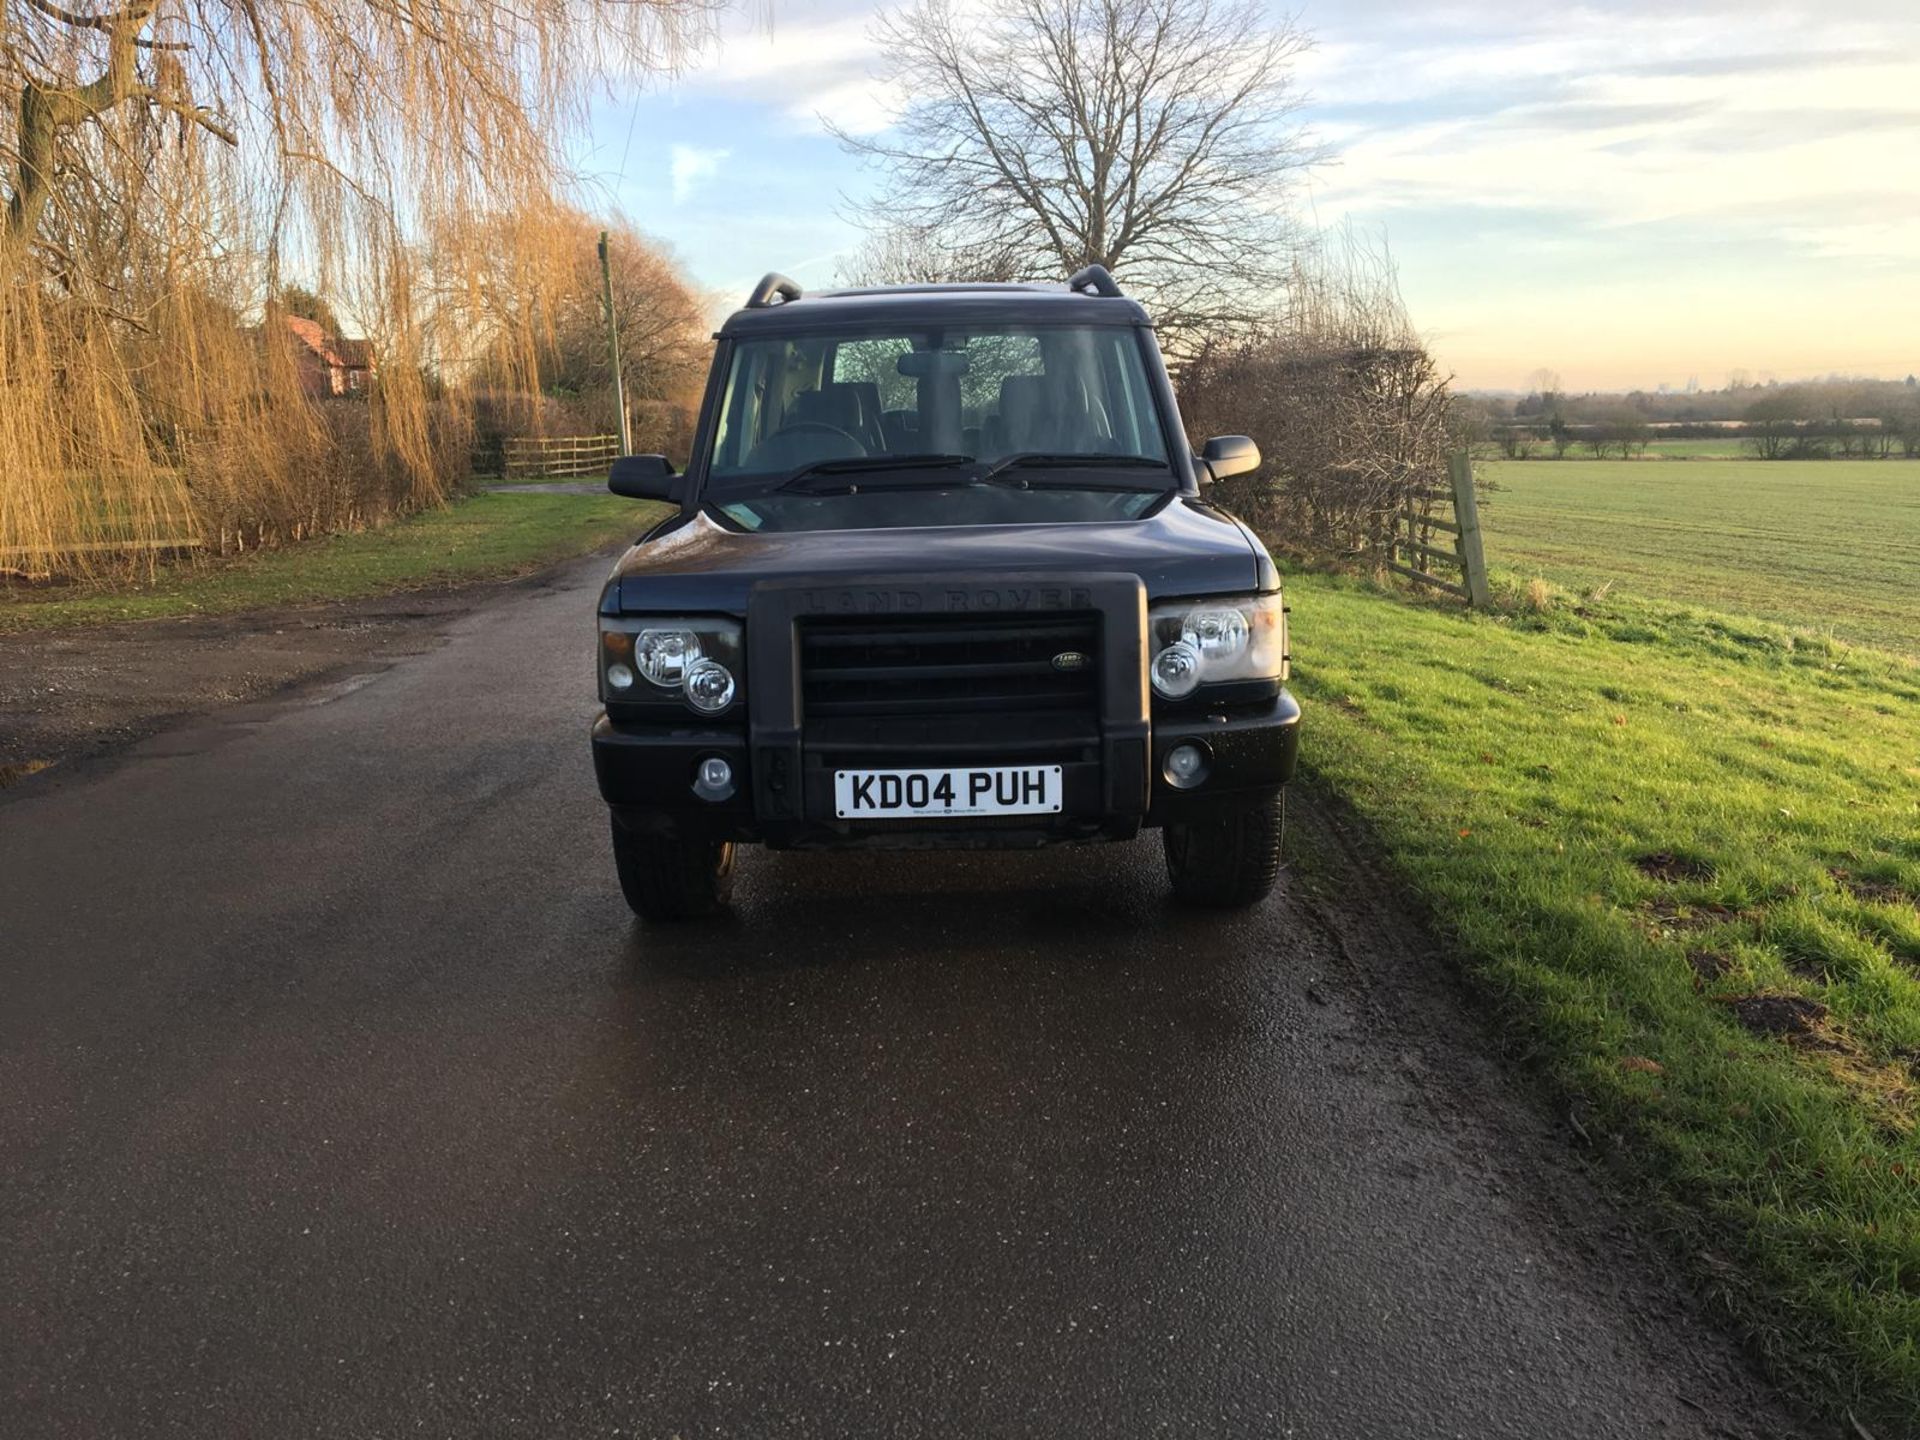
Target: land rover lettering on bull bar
<point>940,573</point>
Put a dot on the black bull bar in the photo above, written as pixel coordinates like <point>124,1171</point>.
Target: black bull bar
<point>778,719</point>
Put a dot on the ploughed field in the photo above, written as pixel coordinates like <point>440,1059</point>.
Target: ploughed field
<point>1828,546</point>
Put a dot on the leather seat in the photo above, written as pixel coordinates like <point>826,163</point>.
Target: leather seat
<point>871,433</point>
<point>835,405</point>
<point>900,427</point>
<point>1034,416</point>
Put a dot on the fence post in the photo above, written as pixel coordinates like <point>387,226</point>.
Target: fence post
<point>1473,555</point>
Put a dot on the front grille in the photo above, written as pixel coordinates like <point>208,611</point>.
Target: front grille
<point>949,665</point>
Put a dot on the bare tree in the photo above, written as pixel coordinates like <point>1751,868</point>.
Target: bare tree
<point>898,254</point>
<point>1517,442</point>
<point>1773,426</point>
<point>557,309</point>
<point>1353,417</point>
<point>1559,436</point>
<point>663,330</point>
<point>1154,137</point>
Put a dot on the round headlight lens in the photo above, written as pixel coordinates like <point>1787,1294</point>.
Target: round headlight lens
<point>619,677</point>
<point>1217,634</point>
<point>709,686</point>
<point>663,656</point>
<point>1176,670</point>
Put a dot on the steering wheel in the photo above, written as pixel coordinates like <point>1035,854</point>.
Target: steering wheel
<point>818,427</point>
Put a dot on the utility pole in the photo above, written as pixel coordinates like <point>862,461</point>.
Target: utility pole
<point>613,348</point>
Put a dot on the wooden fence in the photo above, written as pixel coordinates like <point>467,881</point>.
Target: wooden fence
<point>558,457</point>
<point>139,523</point>
<point>1410,547</point>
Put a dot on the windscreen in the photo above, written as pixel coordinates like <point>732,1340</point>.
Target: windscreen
<point>982,394</point>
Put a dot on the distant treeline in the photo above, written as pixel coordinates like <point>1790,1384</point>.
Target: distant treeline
<point>1819,419</point>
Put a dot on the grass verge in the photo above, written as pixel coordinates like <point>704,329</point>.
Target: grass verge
<point>484,537</point>
<point>1683,853</point>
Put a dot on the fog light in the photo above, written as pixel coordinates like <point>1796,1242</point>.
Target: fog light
<point>708,686</point>
<point>1186,766</point>
<point>619,677</point>
<point>713,779</point>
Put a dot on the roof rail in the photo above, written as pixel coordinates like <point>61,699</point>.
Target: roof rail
<point>771,284</point>
<point>1095,276</point>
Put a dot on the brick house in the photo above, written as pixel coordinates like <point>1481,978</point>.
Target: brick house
<point>328,364</point>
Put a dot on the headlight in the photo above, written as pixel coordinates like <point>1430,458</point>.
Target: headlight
<point>698,662</point>
<point>708,687</point>
<point>1203,642</point>
<point>663,656</point>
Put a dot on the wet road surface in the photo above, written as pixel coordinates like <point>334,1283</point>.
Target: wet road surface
<point>344,1098</point>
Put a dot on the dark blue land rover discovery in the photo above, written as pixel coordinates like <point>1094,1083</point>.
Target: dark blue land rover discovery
<point>941,574</point>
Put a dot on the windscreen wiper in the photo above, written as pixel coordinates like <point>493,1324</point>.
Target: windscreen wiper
<point>1052,460</point>
<point>805,477</point>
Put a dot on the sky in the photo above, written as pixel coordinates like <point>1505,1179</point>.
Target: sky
<point>1632,194</point>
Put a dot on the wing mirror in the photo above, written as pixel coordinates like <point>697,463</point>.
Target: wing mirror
<point>1229,455</point>
<point>643,477</point>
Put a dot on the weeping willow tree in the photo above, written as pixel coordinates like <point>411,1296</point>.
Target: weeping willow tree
<point>167,163</point>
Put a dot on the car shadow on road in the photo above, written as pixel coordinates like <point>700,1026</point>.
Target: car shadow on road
<point>1098,905</point>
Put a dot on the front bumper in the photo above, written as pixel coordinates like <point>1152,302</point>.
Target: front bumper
<point>646,774</point>
<point>1110,744</point>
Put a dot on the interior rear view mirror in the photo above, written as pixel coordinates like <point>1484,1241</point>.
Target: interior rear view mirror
<point>921,364</point>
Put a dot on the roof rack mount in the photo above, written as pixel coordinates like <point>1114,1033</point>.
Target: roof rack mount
<point>1093,277</point>
<point>771,284</point>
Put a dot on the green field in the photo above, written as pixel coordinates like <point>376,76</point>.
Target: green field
<point>487,536</point>
<point>1680,853</point>
<point>1831,547</point>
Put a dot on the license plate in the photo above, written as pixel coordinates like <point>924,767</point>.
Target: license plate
<point>976,790</point>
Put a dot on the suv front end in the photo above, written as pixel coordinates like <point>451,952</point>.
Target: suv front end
<point>903,647</point>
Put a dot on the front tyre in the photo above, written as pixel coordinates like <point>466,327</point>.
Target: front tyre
<point>671,877</point>
<point>1230,861</point>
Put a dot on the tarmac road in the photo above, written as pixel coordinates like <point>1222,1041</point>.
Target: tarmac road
<point>342,1097</point>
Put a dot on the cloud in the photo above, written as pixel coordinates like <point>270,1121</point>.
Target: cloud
<point>805,66</point>
<point>690,165</point>
<point>1770,63</point>
<point>1682,133</point>
<point>1633,190</point>
<point>1586,117</point>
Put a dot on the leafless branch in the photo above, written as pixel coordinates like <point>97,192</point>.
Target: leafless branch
<point>1353,417</point>
<point>1155,137</point>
